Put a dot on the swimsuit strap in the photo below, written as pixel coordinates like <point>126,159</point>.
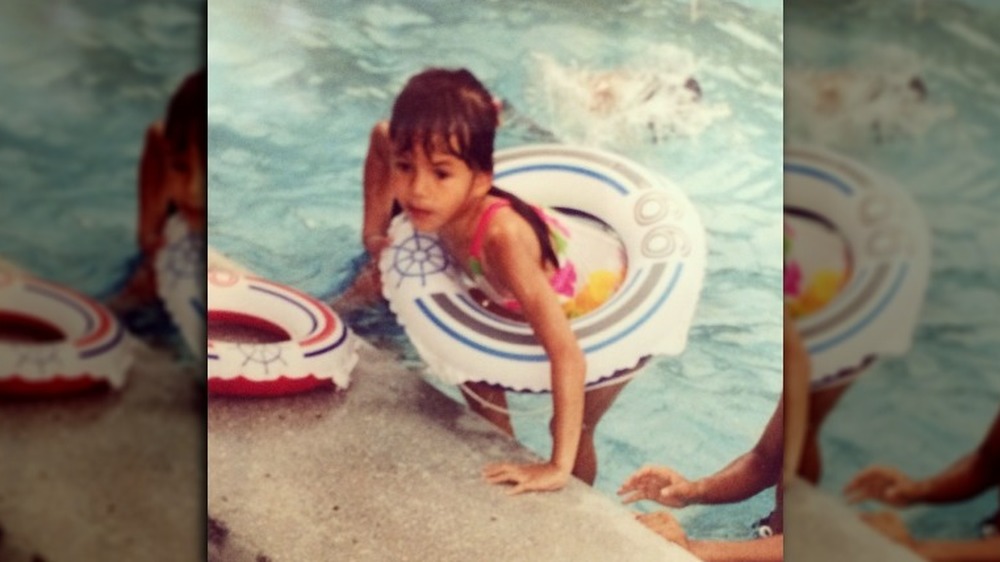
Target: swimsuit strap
<point>476,247</point>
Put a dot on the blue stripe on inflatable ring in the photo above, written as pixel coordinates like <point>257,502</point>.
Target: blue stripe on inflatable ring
<point>315,322</point>
<point>87,314</point>
<point>471,306</point>
<point>896,284</point>
<point>520,333</point>
<point>566,168</point>
<point>544,357</point>
<point>70,302</point>
<point>820,174</point>
<point>119,334</point>
<point>334,345</point>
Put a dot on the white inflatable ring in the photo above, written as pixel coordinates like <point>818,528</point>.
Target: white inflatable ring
<point>650,314</point>
<point>88,347</point>
<point>875,311</point>
<point>180,267</point>
<point>318,350</point>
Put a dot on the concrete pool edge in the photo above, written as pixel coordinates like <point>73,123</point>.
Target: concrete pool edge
<point>389,469</point>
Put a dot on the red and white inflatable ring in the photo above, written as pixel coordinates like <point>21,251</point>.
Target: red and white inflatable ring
<point>268,339</point>
<point>57,341</point>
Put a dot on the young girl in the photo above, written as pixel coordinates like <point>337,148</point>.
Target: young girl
<point>171,181</point>
<point>434,162</point>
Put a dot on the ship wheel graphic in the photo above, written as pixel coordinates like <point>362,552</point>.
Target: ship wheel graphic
<point>419,256</point>
<point>41,358</point>
<point>264,354</point>
<point>183,258</point>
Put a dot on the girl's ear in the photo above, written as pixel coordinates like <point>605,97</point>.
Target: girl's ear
<point>481,183</point>
<point>498,106</point>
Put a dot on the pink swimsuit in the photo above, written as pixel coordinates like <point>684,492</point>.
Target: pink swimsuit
<point>582,282</point>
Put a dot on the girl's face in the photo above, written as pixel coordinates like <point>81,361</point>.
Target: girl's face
<point>186,178</point>
<point>436,189</point>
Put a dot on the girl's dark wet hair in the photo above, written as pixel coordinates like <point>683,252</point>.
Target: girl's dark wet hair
<point>186,121</point>
<point>452,110</point>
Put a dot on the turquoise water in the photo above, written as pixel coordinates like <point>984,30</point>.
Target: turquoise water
<point>81,81</point>
<point>294,88</point>
<point>925,409</point>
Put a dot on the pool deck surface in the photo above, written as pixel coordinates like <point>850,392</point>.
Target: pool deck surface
<point>389,469</point>
<point>107,475</point>
<point>822,528</point>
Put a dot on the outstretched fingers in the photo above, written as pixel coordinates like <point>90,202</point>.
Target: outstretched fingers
<point>541,477</point>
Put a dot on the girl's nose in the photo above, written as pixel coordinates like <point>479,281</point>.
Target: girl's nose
<point>419,184</point>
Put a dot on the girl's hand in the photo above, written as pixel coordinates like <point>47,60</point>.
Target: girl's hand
<point>885,484</point>
<point>657,483</point>
<point>375,243</point>
<point>541,477</point>
<point>664,524</point>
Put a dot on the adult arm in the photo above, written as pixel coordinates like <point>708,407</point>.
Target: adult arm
<point>890,525</point>
<point>750,473</point>
<point>770,549</point>
<point>983,550</point>
<point>964,479</point>
<point>744,477</point>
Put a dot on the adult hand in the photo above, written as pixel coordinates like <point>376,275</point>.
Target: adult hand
<point>657,483</point>
<point>664,524</point>
<point>541,477</point>
<point>890,526</point>
<point>882,483</point>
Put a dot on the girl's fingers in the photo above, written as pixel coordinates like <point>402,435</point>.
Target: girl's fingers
<point>517,489</point>
<point>499,474</point>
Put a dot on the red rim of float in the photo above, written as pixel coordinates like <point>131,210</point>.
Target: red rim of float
<point>242,386</point>
<point>96,348</point>
<point>18,387</point>
<point>308,351</point>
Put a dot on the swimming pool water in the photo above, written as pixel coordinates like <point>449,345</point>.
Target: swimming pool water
<point>81,81</point>
<point>925,409</point>
<point>294,88</point>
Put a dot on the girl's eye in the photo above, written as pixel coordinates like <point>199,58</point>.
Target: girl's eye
<point>442,174</point>
<point>403,166</point>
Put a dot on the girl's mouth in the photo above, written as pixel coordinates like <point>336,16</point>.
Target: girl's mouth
<point>417,214</point>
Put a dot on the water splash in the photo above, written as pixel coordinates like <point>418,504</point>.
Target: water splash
<point>654,101</point>
<point>884,99</point>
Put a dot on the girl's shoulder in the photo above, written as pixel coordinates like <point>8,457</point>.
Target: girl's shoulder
<point>508,231</point>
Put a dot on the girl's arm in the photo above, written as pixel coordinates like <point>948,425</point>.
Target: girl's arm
<point>378,196</point>
<point>797,369</point>
<point>520,272</point>
<point>153,197</point>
